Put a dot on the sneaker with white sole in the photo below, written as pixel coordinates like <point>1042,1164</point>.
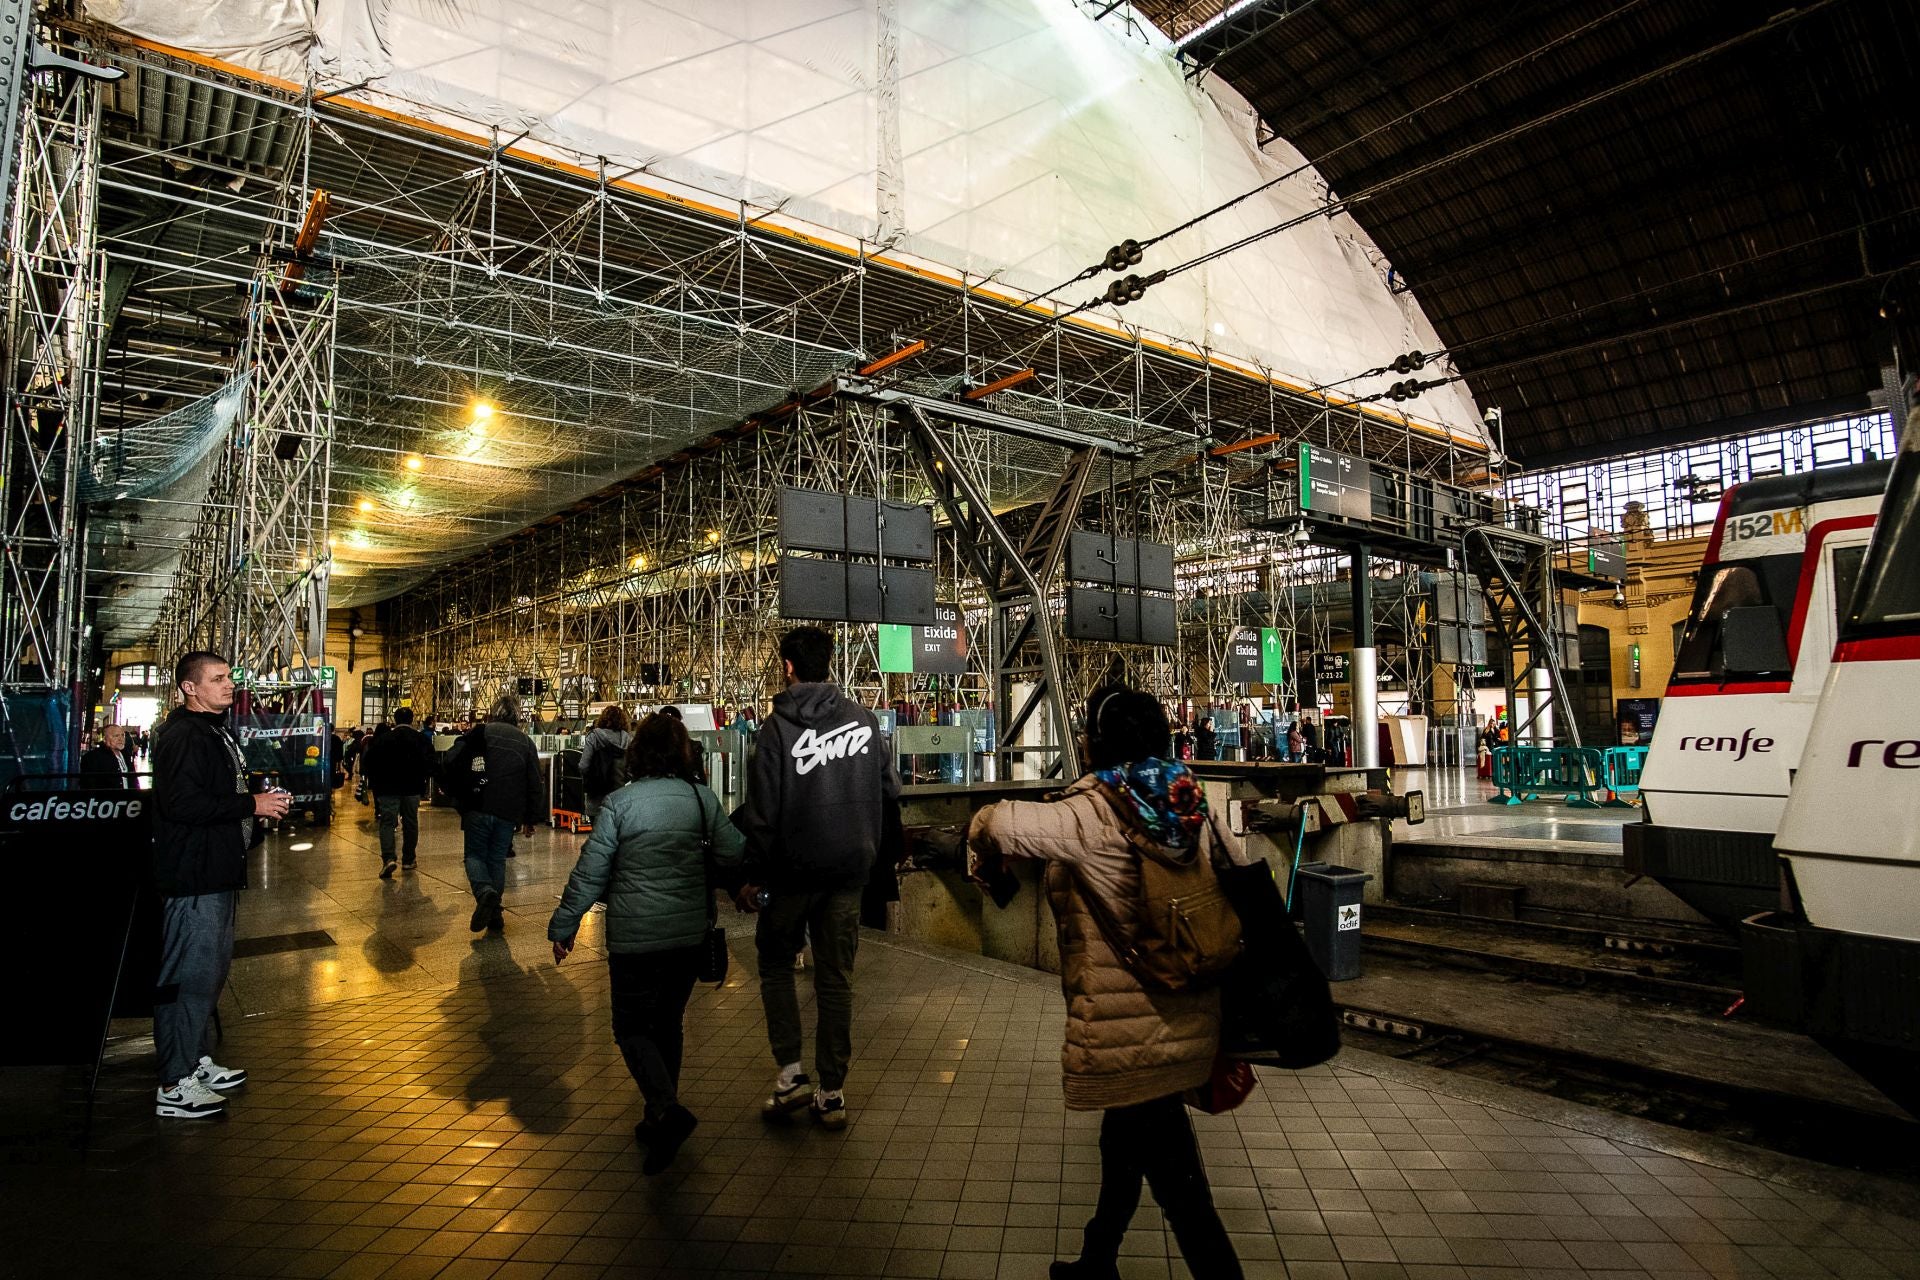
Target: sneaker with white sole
<point>187,1099</point>
<point>215,1076</point>
<point>829,1109</point>
<point>787,1097</point>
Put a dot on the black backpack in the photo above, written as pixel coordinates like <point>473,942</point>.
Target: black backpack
<point>464,774</point>
<point>607,774</point>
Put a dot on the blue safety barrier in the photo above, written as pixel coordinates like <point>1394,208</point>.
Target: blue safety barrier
<point>1623,766</point>
<point>1526,772</point>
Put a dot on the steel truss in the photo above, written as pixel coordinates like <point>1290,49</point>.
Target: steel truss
<point>53,331</point>
<point>252,579</point>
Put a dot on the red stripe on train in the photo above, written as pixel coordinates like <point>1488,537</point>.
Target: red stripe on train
<point>1879,649</point>
<point>1709,689</point>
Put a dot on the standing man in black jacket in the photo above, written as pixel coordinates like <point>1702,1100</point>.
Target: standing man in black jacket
<point>108,767</point>
<point>822,781</point>
<point>202,825</point>
<point>398,766</point>
<point>494,776</point>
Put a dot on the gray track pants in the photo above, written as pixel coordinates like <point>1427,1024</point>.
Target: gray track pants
<point>196,949</point>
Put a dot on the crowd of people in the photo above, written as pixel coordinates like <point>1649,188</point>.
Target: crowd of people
<point>821,817</point>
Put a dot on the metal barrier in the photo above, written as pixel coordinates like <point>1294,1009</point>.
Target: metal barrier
<point>1524,773</point>
<point>1623,766</point>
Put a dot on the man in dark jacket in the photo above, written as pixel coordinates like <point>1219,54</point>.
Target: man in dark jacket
<point>202,824</point>
<point>502,793</point>
<point>397,765</point>
<point>108,767</point>
<point>822,781</point>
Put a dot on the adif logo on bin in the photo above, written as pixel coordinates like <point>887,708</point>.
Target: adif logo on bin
<point>1349,917</point>
<point>815,748</point>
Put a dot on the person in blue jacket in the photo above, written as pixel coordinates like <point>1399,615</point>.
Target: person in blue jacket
<point>646,860</point>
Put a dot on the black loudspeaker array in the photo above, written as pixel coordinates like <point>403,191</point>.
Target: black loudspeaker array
<point>1119,590</point>
<point>843,574</point>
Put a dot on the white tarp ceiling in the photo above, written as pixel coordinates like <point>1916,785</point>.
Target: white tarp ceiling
<point>1011,138</point>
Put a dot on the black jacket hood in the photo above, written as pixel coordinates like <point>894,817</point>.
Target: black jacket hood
<point>811,705</point>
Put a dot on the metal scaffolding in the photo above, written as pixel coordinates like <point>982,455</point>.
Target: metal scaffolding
<point>251,581</point>
<point>53,329</point>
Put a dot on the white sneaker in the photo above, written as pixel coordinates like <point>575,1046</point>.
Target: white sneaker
<point>214,1076</point>
<point>187,1100</point>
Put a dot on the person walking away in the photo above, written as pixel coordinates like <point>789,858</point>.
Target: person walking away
<point>1129,1052</point>
<point>1296,742</point>
<point>109,766</point>
<point>821,783</point>
<point>494,777</point>
<point>603,758</point>
<point>203,823</point>
<point>398,766</point>
<point>647,858</point>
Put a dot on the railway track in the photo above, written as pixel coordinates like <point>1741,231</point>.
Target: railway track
<point>1681,981</point>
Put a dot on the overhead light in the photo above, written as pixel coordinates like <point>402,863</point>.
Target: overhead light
<point>713,535</point>
<point>1219,328</point>
<point>639,562</point>
<point>366,506</point>
<point>481,411</point>
<point>414,462</point>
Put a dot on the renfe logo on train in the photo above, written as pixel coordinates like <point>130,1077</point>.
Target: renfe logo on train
<point>1738,748</point>
<point>1766,524</point>
<point>1899,753</point>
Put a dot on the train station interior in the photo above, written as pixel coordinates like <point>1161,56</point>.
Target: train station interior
<point>1299,611</point>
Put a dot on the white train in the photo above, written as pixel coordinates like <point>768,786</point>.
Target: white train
<point>1778,571</point>
<point>1840,959</point>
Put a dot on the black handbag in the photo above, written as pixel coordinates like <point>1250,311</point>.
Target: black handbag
<point>1276,1008</point>
<point>713,947</point>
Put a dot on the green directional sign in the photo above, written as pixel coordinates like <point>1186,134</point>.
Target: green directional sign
<point>1272,665</point>
<point>1255,656</point>
<point>239,675</point>
<point>896,647</point>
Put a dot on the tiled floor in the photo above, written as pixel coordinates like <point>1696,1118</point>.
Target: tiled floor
<point>425,1104</point>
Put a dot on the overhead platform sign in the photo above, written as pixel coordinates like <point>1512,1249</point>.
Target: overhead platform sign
<point>1335,484</point>
<point>936,650</point>
<point>846,577</point>
<point>1254,656</point>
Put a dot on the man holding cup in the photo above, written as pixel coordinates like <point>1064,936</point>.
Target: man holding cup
<point>203,824</point>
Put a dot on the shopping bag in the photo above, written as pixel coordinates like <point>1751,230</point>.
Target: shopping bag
<point>1276,1008</point>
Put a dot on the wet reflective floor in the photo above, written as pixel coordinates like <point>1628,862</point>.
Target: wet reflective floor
<point>1459,804</point>
<point>426,1102</point>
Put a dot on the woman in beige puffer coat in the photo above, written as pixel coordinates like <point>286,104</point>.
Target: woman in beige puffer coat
<point>1130,1052</point>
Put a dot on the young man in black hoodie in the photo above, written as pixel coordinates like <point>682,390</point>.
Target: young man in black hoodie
<point>821,781</point>
<point>203,821</point>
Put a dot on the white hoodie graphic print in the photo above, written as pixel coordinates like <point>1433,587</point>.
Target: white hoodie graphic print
<point>814,748</point>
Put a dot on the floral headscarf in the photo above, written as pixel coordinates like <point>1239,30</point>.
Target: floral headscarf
<point>1166,797</point>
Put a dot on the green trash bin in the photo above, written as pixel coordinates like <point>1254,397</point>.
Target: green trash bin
<point>1326,900</point>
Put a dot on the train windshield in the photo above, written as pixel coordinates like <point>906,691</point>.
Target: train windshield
<point>1887,600</point>
<point>1736,584</point>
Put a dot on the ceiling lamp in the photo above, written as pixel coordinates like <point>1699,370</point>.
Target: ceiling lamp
<point>366,506</point>
<point>481,411</point>
<point>414,462</point>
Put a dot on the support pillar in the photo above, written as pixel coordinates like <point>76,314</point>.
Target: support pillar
<point>1540,705</point>
<point>1366,664</point>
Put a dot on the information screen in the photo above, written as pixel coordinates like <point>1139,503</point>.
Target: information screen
<point>1335,484</point>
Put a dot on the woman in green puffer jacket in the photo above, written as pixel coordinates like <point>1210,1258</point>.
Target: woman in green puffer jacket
<point>644,859</point>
